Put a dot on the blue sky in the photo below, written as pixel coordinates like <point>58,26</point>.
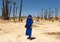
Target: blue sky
<point>34,7</point>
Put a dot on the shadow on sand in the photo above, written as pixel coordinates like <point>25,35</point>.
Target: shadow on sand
<point>32,38</point>
<point>55,34</point>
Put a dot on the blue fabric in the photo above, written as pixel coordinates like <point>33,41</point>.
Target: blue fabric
<point>28,26</point>
<point>28,32</point>
<point>29,23</point>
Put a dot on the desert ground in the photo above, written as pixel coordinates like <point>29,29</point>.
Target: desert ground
<point>43,31</point>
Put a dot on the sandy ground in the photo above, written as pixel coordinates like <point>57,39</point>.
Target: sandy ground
<point>43,31</point>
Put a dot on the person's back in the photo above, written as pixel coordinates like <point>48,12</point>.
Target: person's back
<point>28,26</point>
<point>29,23</point>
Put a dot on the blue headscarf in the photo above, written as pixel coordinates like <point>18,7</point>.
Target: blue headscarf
<point>30,16</point>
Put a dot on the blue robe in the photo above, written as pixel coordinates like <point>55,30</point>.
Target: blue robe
<point>28,26</point>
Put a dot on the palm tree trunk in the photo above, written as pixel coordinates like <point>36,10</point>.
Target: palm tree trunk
<point>49,13</point>
<point>7,11</point>
<point>14,12</point>
<point>20,10</point>
<point>10,8</point>
<point>42,14</point>
<point>3,9</point>
<point>56,13</point>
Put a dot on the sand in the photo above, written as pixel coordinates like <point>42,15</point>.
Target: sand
<point>43,31</point>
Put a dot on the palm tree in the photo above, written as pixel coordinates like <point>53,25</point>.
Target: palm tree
<point>45,13</point>
<point>14,10</point>
<point>56,13</point>
<point>3,8</point>
<point>20,10</point>
<point>42,14</point>
<point>10,7</point>
<point>49,12</point>
<point>7,10</point>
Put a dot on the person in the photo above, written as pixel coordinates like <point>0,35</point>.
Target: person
<point>28,26</point>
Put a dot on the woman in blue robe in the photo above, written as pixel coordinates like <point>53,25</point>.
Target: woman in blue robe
<point>28,26</point>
